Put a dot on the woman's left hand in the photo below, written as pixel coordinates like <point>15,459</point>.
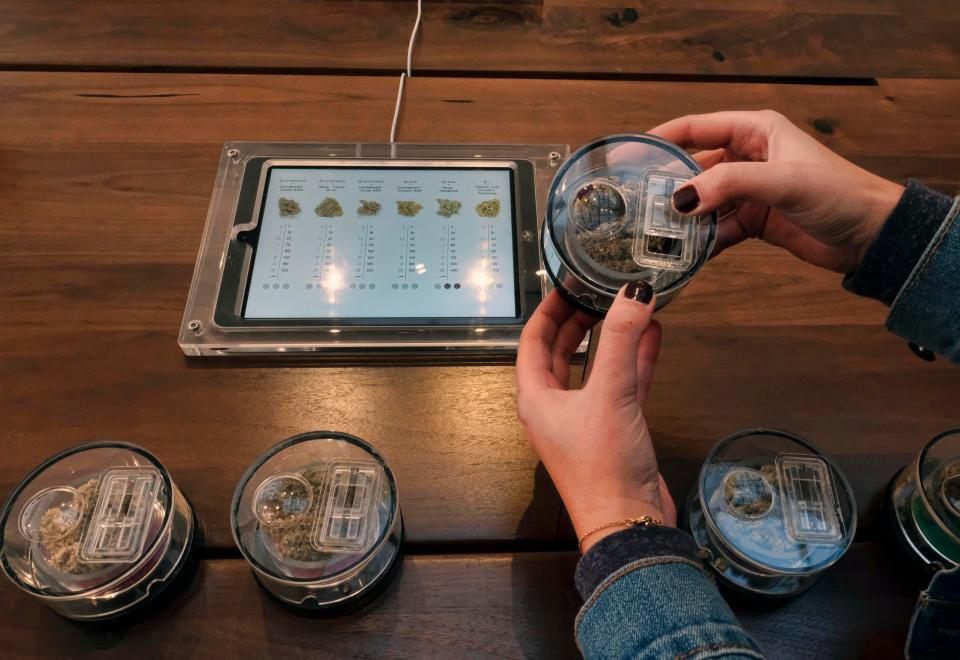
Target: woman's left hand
<point>594,441</point>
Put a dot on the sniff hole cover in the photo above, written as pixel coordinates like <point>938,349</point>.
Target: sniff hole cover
<point>118,528</point>
<point>810,500</point>
<point>349,507</point>
<point>664,238</point>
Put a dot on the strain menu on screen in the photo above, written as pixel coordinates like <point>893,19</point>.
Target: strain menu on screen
<point>369,243</point>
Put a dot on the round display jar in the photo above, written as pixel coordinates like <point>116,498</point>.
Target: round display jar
<point>925,503</point>
<point>99,532</point>
<point>318,520</point>
<point>770,512</point>
<point>610,220</point>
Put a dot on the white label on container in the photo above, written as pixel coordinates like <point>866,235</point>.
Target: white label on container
<point>121,519</point>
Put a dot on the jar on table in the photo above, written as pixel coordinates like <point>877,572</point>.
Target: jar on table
<point>317,517</point>
<point>770,512</point>
<point>925,503</point>
<point>610,220</point>
<point>99,532</point>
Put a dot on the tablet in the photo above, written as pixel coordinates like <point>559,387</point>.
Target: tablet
<point>333,254</point>
<point>381,243</point>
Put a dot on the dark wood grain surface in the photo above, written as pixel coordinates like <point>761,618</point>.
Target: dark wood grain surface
<point>106,179</point>
<point>477,606</point>
<point>104,183</point>
<point>812,38</point>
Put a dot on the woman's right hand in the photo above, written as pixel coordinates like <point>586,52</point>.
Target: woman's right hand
<point>782,185</point>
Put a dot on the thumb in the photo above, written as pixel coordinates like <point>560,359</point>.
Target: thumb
<point>615,364</point>
<point>771,184</point>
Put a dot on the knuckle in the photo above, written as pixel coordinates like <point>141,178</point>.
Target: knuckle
<point>725,176</point>
<point>802,180</point>
<point>524,408</point>
<point>772,117</point>
<point>619,325</point>
<point>562,354</point>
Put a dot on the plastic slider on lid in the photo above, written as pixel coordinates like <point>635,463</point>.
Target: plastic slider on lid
<point>119,526</point>
<point>350,507</point>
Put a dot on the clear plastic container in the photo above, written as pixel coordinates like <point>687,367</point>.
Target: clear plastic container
<point>770,512</point>
<point>98,532</point>
<point>318,519</point>
<point>925,503</point>
<point>610,220</point>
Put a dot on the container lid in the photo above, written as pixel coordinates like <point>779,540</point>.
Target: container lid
<point>611,218</point>
<point>84,518</point>
<point>313,507</point>
<point>939,473</point>
<point>777,502</point>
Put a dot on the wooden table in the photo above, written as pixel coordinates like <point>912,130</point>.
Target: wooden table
<point>112,116</point>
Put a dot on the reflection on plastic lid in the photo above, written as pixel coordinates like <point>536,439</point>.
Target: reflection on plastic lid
<point>53,512</point>
<point>810,502</point>
<point>317,518</point>
<point>118,529</point>
<point>97,530</point>
<point>610,220</point>
<point>772,511</point>
<point>925,499</point>
<point>282,500</point>
<point>344,523</point>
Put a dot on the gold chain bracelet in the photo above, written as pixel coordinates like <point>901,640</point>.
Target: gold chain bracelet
<point>642,521</point>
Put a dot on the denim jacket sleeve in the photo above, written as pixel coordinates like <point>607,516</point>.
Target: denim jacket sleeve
<point>647,595</point>
<point>912,266</point>
<point>935,627</point>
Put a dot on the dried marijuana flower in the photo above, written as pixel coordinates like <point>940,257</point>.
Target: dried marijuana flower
<point>329,208</point>
<point>288,206</point>
<point>448,207</point>
<point>409,209</point>
<point>610,251</point>
<point>60,535</point>
<point>489,208</point>
<point>368,207</point>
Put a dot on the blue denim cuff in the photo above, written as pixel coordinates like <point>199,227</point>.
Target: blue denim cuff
<point>661,607</point>
<point>935,628</point>
<point>613,552</point>
<point>900,243</point>
<point>927,309</point>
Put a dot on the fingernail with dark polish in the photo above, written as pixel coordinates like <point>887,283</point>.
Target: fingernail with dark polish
<point>686,199</point>
<point>640,291</point>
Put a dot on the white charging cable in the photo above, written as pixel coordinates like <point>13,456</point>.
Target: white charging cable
<point>406,74</point>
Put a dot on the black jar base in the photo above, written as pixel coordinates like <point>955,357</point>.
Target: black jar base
<point>162,596</point>
<point>352,606</point>
<point>371,594</point>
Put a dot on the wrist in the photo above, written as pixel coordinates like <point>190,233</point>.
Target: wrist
<point>880,201</point>
<point>897,248</point>
<point>593,536</point>
<point>598,522</point>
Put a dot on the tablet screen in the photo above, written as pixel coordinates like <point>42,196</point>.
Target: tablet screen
<point>384,242</point>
